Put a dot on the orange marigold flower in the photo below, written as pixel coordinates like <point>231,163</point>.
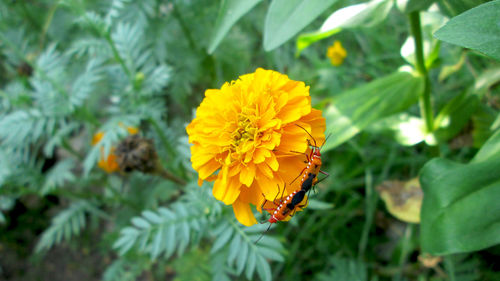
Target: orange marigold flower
<point>336,53</point>
<point>109,164</point>
<point>245,138</point>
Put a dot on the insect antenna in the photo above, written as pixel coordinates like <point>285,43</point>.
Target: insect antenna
<point>308,134</point>
<point>260,237</point>
<point>325,140</point>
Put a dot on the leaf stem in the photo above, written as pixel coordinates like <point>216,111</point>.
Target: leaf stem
<point>46,25</point>
<point>425,97</point>
<point>370,205</point>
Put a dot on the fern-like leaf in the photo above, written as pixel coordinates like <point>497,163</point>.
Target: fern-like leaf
<point>166,230</point>
<point>59,175</point>
<point>344,269</point>
<point>243,253</point>
<point>21,127</point>
<point>64,225</point>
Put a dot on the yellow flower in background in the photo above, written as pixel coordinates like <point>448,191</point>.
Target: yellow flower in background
<point>336,53</point>
<point>109,164</point>
<point>244,134</point>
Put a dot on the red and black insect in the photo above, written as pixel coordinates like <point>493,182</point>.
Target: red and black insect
<point>284,208</point>
<point>313,168</point>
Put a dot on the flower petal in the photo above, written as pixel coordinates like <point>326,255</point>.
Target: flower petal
<point>243,213</point>
<point>247,174</point>
<point>208,168</point>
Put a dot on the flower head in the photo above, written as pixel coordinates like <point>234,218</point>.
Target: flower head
<point>245,138</point>
<point>109,164</point>
<point>336,53</point>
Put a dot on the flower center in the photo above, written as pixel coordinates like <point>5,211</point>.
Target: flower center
<point>244,132</point>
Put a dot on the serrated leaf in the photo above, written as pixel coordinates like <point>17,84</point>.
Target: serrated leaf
<point>140,222</point>
<point>152,217</point>
<point>250,266</point>
<point>234,248</point>
<point>475,29</point>
<point>241,259</point>
<point>229,13</point>
<point>263,269</point>
<point>158,243</point>
<point>63,226</point>
<point>222,239</point>
<point>270,254</point>
<point>285,18</point>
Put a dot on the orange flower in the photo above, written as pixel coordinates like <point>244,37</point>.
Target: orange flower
<point>109,164</point>
<point>245,138</point>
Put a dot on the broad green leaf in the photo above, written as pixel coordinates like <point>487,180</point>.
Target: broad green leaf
<point>230,12</point>
<point>408,6</point>
<point>354,110</point>
<point>360,15</point>
<point>460,211</point>
<point>285,18</point>
<point>482,121</point>
<point>496,123</point>
<point>487,79</point>
<point>454,7</point>
<point>490,150</point>
<point>476,29</point>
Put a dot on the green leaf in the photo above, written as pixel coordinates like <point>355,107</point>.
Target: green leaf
<point>408,6</point>
<point>487,79</point>
<point>460,210</point>
<point>58,175</point>
<point>285,18</point>
<point>360,15</point>
<point>452,8</point>
<point>354,110</point>
<point>482,123</point>
<point>230,12</point>
<point>476,29</point>
<point>319,205</point>
<point>263,269</point>
<point>406,129</point>
<point>345,269</point>
<point>455,115</point>
<point>490,150</point>
<point>67,223</point>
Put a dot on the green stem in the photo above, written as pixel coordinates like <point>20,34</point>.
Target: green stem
<point>116,54</point>
<point>371,202</point>
<point>71,150</point>
<point>168,175</point>
<point>425,98</point>
<point>46,26</point>
<point>405,248</point>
